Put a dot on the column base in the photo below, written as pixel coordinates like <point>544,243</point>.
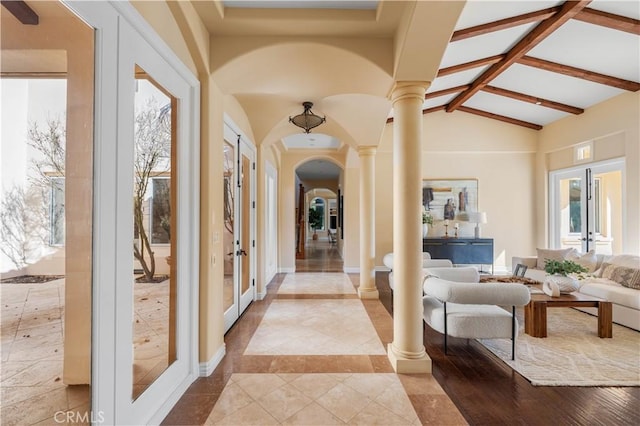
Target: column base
<point>403,365</point>
<point>368,293</point>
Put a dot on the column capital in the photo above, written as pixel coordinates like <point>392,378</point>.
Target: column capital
<point>367,150</point>
<point>408,89</point>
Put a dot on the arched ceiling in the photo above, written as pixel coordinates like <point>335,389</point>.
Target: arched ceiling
<point>275,55</point>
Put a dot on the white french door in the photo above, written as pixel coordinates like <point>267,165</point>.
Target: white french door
<point>587,207</point>
<point>131,59</point>
<point>239,234</point>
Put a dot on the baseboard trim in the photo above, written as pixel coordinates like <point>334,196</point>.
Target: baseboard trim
<point>261,296</point>
<point>382,269</point>
<point>287,270</point>
<point>206,368</point>
<point>351,270</point>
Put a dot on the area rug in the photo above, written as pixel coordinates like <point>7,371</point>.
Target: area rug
<point>573,354</point>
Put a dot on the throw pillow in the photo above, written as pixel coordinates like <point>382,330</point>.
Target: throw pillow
<point>628,277</point>
<point>544,255</point>
<point>588,260</point>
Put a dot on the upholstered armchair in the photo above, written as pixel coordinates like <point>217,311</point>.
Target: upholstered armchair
<point>470,309</point>
<point>427,262</point>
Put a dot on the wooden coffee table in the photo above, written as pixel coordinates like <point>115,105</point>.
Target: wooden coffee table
<point>535,313</point>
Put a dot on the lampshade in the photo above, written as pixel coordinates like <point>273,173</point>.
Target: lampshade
<point>478,217</point>
<point>307,120</point>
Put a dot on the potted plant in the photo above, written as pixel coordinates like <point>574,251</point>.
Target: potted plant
<point>315,221</point>
<point>427,220</point>
<point>563,276</point>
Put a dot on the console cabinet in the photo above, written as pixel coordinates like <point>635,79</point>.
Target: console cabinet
<point>461,251</point>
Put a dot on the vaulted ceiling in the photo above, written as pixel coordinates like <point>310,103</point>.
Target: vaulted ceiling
<point>533,62</point>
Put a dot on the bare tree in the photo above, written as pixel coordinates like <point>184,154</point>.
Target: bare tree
<point>22,229</point>
<point>152,140</point>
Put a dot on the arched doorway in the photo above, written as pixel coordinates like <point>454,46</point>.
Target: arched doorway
<point>318,242</point>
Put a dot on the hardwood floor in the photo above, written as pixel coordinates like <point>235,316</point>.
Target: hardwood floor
<point>488,392</point>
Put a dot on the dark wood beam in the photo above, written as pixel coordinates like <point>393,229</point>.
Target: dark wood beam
<point>504,24</point>
<point>424,111</point>
<point>528,42</point>
<point>533,100</point>
<point>433,109</point>
<point>620,83</point>
<point>448,91</point>
<point>470,65</point>
<point>500,118</point>
<point>21,11</point>
<point>609,20</point>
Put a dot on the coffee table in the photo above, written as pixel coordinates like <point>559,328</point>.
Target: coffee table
<point>535,313</point>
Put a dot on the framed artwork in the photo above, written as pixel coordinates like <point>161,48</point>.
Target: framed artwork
<point>451,199</point>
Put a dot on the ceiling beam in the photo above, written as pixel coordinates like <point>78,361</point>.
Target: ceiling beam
<point>620,83</point>
<point>433,109</point>
<point>609,20</point>
<point>448,91</point>
<point>21,11</point>
<point>504,24</point>
<point>528,42</point>
<point>532,99</point>
<point>424,111</point>
<point>500,118</point>
<point>470,65</point>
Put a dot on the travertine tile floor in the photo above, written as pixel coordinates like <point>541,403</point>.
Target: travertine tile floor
<point>256,384</point>
<point>32,328</point>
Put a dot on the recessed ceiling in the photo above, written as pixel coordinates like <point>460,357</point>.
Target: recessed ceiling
<point>303,4</point>
<point>318,170</point>
<point>311,141</point>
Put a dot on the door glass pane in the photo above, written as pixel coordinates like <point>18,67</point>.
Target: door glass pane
<point>154,294</point>
<point>570,193</point>
<point>246,223</point>
<point>229,215</point>
<point>607,206</point>
<point>46,216</point>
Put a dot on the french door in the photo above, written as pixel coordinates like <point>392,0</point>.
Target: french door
<point>239,230</point>
<point>144,332</point>
<point>587,207</point>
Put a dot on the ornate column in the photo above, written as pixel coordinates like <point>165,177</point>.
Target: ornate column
<point>367,289</point>
<point>406,352</point>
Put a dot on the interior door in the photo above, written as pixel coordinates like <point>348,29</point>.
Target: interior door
<point>587,207</point>
<point>239,230</point>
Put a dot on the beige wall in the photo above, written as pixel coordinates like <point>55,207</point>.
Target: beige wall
<point>459,145</point>
<point>614,127</point>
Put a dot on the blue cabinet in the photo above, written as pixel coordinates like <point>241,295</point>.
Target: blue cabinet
<point>461,251</point>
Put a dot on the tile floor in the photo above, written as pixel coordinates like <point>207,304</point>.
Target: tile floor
<point>32,330</point>
<point>269,375</point>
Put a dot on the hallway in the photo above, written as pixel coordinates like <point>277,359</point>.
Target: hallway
<point>312,352</point>
<point>321,255</point>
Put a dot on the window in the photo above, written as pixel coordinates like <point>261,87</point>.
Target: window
<point>56,212</point>
<point>597,206</point>
<point>317,218</point>
<point>583,153</point>
<point>161,211</point>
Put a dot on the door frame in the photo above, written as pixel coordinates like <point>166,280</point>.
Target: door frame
<point>235,137</point>
<point>109,266</point>
<point>580,171</point>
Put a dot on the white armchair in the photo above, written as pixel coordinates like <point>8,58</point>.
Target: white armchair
<point>427,262</point>
<point>472,310</point>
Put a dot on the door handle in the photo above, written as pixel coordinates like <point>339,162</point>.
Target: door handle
<point>241,252</point>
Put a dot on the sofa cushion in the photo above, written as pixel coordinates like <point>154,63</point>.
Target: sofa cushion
<point>587,260</point>
<point>612,292</point>
<point>547,254</point>
<point>628,277</point>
